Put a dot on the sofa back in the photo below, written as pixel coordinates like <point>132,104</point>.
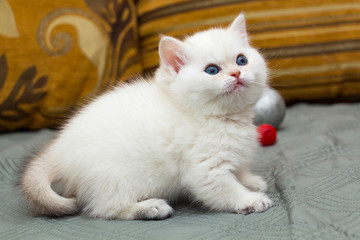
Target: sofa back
<point>57,54</point>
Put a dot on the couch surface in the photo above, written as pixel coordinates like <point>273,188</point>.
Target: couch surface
<point>313,171</point>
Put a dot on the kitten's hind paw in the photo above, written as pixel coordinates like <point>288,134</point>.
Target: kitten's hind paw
<point>153,209</point>
<point>255,202</point>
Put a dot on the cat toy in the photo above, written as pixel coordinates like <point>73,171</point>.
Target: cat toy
<point>266,134</point>
<point>269,114</point>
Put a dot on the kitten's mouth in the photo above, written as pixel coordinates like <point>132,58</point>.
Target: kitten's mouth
<point>238,86</point>
<point>234,87</point>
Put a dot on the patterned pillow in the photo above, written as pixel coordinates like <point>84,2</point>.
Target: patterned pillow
<point>56,53</point>
<point>312,47</point>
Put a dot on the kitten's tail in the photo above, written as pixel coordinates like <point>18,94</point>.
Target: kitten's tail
<point>36,185</point>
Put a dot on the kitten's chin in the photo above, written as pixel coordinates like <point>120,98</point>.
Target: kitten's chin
<point>239,98</point>
<point>235,89</point>
<point>239,86</point>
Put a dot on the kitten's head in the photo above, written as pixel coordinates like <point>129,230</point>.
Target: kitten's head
<point>214,72</point>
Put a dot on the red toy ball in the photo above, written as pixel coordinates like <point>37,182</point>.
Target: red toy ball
<point>266,134</point>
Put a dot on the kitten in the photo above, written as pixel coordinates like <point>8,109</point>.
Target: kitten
<point>132,150</point>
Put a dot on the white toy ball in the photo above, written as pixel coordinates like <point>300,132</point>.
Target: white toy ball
<point>270,108</point>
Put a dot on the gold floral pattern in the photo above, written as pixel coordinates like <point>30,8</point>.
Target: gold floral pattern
<point>27,90</point>
<point>122,27</point>
<point>8,24</point>
<point>92,42</point>
<point>55,54</point>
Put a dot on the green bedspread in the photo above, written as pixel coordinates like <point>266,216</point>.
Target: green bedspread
<point>313,172</point>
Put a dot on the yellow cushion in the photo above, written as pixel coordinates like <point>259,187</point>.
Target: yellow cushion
<point>56,53</point>
<point>312,47</point>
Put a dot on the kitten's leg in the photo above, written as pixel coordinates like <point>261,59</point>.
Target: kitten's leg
<point>251,181</point>
<point>150,209</point>
<point>220,190</point>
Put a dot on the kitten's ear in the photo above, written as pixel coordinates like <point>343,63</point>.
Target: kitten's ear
<point>239,26</point>
<point>171,53</point>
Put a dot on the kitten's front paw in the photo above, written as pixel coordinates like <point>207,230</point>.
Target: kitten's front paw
<point>254,202</point>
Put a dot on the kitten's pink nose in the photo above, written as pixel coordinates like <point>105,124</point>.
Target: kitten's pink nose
<point>235,74</point>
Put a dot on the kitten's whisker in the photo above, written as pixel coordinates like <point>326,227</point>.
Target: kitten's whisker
<point>261,84</point>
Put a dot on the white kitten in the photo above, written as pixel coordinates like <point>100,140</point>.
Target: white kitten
<point>130,151</point>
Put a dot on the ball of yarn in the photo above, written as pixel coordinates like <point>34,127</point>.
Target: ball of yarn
<point>266,134</point>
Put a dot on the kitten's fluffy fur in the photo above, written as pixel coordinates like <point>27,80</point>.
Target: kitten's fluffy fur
<point>133,150</point>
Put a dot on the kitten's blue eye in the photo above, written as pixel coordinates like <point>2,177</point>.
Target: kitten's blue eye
<point>241,60</point>
<point>212,69</point>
